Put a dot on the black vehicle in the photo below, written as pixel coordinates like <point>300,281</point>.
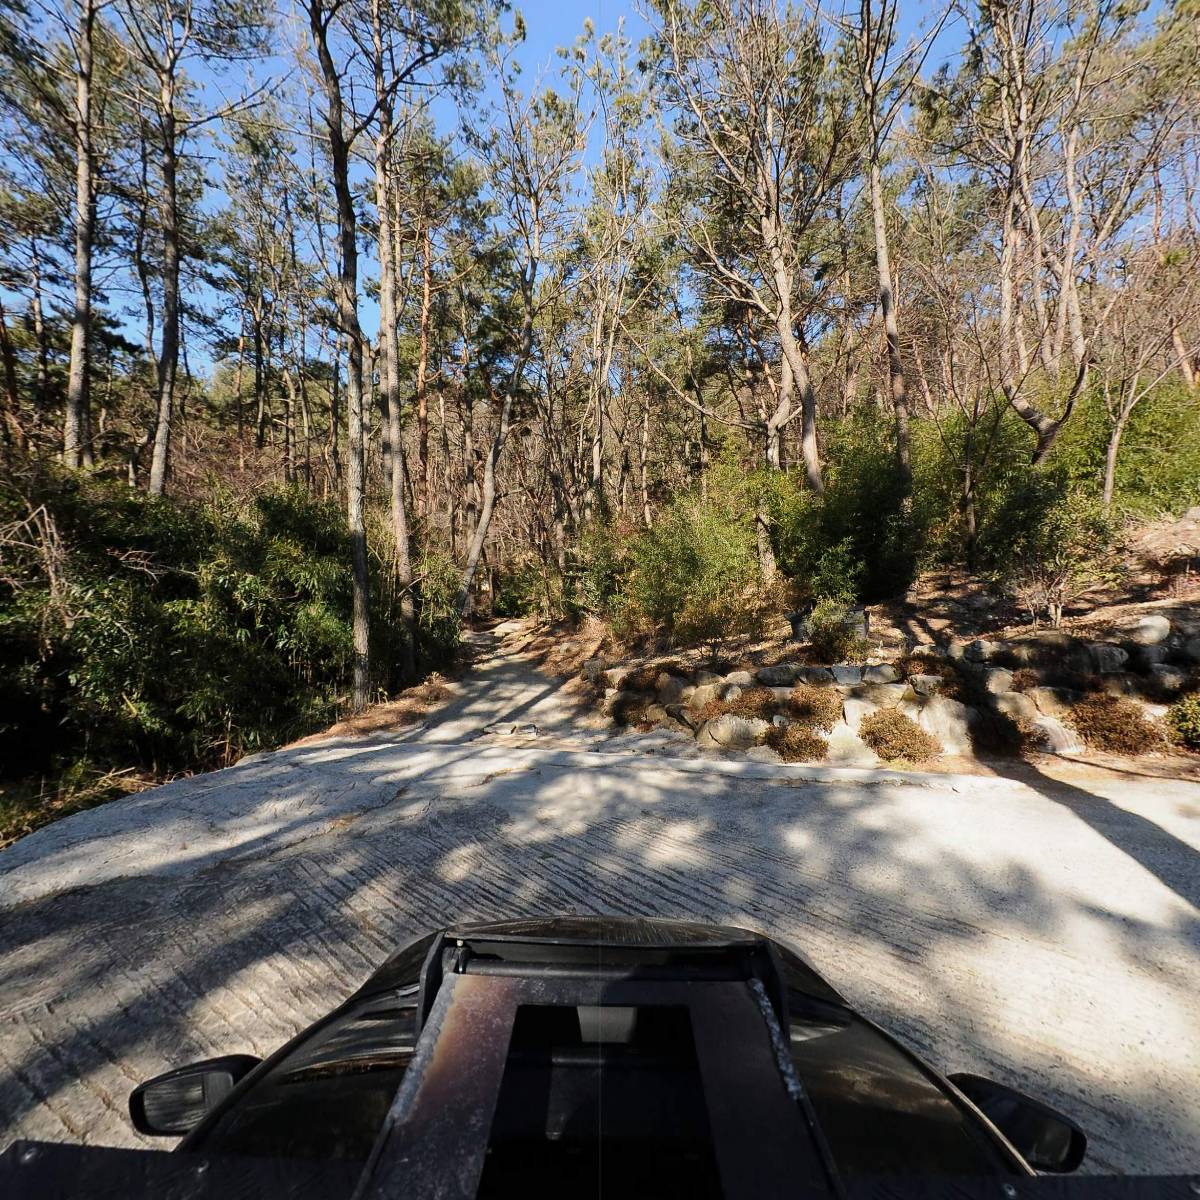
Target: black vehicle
<point>579,1056</point>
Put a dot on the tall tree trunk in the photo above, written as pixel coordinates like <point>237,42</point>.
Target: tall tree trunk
<point>347,309</point>
<point>14,435</point>
<point>887,303</point>
<point>74,417</point>
<point>389,343</point>
<point>42,387</point>
<point>168,357</point>
<point>422,387</point>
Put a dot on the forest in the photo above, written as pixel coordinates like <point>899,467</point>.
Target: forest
<point>329,327</point>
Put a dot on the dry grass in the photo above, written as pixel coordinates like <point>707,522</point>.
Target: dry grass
<point>1116,725</point>
<point>815,707</point>
<point>892,735</point>
<point>794,743</point>
<point>26,805</point>
<point>410,705</point>
<point>1025,678</point>
<point>753,702</point>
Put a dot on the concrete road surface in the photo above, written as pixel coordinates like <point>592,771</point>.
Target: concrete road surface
<point>1042,931</point>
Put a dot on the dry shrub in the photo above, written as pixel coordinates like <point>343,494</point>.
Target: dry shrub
<point>815,707</point>
<point>1116,725</point>
<point>640,679</point>
<point>794,743</point>
<point>753,702</point>
<point>1025,678</point>
<point>925,664</point>
<point>892,735</point>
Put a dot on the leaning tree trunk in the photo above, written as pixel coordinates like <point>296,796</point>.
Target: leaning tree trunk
<point>75,415</point>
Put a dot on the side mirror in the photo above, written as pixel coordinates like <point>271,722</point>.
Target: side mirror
<point>175,1103</point>
<point>1043,1137</point>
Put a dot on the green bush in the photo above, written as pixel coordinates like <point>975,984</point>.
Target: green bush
<point>1048,542</point>
<point>695,575</point>
<point>832,636</point>
<point>167,635</point>
<point>1183,720</point>
<point>892,735</point>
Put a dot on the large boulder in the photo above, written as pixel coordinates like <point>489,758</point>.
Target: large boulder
<point>704,693</point>
<point>1054,737</point>
<point>1167,679</point>
<point>1054,701</point>
<point>997,680</point>
<point>981,650</point>
<point>846,674</point>
<point>925,685</point>
<point>949,721</point>
<point>704,677</point>
<point>1017,705</point>
<point>779,675</point>
<point>614,677</point>
<point>1149,630</point>
<point>731,732</point>
<point>882,695</point>
<point>847,749</point>
<point>684,716</point>
<point>881,673</point>
<point>1107,658</point>
<point>672,689</point>
<point>855,710</point>
<point>739,678</point>
<point>1144,658</point>
<point>1191,649</point>
<point>817,676</point>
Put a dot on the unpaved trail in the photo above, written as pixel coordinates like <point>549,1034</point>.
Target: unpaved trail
<point>1044,931</point>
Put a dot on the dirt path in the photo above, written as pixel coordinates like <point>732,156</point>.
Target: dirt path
<point>1045,931</point>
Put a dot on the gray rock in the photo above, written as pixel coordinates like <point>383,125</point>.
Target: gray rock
<point>703,693</point>
<point>1017,705</point>
<point>1107,658</point>
<point>982,650</point>
<point>1168,679</point>
<point>782,694</point>
<point>780,721</point>
<point>817,676</point>
<point>615,676</point>
<point>706,677</point>
<point>684,715</point>
<point>881,673</point>
<point>882,695</point>
<point>593,671</point>
<point>925,685</point>
<point>656,714</point>
<point>1054,701</point>
<point>1143,658</point>
<point>1149,630</point>
<point>1054,737</point>
<point>672,689</point>
<point>739,678</point>
<point>845,674</point>
<point>731,732</point>
<point>957,650</point>
<point>997,680</point>
<point>847,749</point>
<point>1191,649</point>
<point>949,721</point>
<point>855,710</point>
<point>780,675</point>
<point>1121,685</point>
<point>732,691</point>
<point>910,709</point>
